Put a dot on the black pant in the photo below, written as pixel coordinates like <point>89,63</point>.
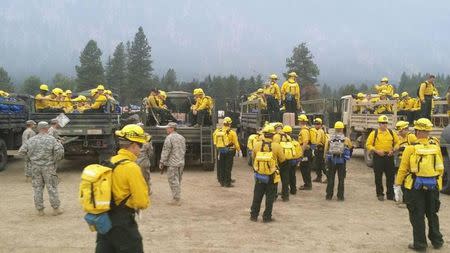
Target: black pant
<point>384,164</point>
<point>124,237</point>
<point>305,169</point>
<point>224,166</point>
<point>411,117</point>
<point>285,170</point>
<point>203,118</point>
<point>261,189</point>
<point>319,161</point>
<point>273,108</point>
<point>331,174</point>
<point>293,179</point>
<point>426,107</point>
<point>423,203</point>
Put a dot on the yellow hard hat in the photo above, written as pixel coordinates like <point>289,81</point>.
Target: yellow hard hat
<point>100,87</point>
<point>384,79</point>
<point>134,133</point>
<point>109,92</point>
<point>3,93</point>
<point>43,87</point>
<point>292,74</point>
<point>383,119</point>
<point>93,91</point>
<point>423,124</point>
<point>361,95</point>
<point>287,129</point>
<point>163,94</point>
<point>396,95</point>
<point>318,121</point>
<point>276,124</point>
<point>339,125</point>
<point>57,91</point>
<point>401,125</point>
<point>273,76</point>
<point>268,129</point>
<point>405,94</point>
<point>303,118</point>
<point>260,90</point>
<point>198,91</point>
<point>68,92</point>
<point>227,120</point>
<point>81,98</point>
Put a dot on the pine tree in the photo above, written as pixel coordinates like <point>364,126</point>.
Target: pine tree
<point>169,81</point>
<point>139,68</point>
<point>64,82</point>
<point>90,72</point>
<point>5,81</point>
<point>116,70</point>
<point>31,85</point>
<point>301,62</point>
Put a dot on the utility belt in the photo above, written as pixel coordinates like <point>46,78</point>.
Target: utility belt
<point>375,155</point>
<point>425,183</point>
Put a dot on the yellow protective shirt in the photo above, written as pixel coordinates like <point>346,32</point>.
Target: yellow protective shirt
<point>279,137</point>
<point>387,88</point>
<point>404,175</point>
<point>277,150</point>
<point>317,136</point>
<point>204,103</point>
<point>262,102</point>
<point>304,136</point>
<point>99,102</point>
<point>290,87</point>
<point>427,89</point>
<point>127,180</point>
<point>251,141</point>
<point>231,137</point>
<point>152,102</point>
<point>274,90</point>
<point>384,142</point>
<point>41,102</point>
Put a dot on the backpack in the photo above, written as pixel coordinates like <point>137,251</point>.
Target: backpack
<point>95,187</point>
<point>426,165</point>
<point>288,147</point>
<point>376,134</point>
<point>222,140</point>
<point>337,144</point>
<point>265,162</point>
<point>210,102</point>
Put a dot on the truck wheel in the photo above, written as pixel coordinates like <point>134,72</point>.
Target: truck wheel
<point>368,158</point>
<point>3,155</point>
<point>208,166</point>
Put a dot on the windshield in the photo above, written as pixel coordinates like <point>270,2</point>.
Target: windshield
<point>179,104</point>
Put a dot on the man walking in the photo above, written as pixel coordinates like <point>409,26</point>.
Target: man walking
<point>383,142</point>
<point>44,151</point>
<point>26,135</point>
<point>172,159</point>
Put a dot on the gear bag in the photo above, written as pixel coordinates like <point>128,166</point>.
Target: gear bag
<point>426,165</point>
<point>265,162</point>
<point>337,144</point>
<point>288,150</point>
<point>222,140</point>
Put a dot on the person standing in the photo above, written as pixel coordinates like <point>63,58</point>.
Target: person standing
<point>338,152</point>
<point>26,135</point>
<point>267,155</point>
<point>318,146</point>
<point>172,159</point>
<point>144,161</point>
<point>421,172</point>
<point>129,194</point>
<point>54,129</point>
<point>273,99</point>
<point>290,94</point>
<point>42,150</point>
<point>425,93</point>
<point>227,144</point>
<point>304,139</point>
<point>383,143</point>
<point>291,155</point>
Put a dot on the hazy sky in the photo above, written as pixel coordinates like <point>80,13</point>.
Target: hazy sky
<point>352,40</point>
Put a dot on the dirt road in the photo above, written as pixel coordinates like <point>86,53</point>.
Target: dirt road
<point>216,219</point>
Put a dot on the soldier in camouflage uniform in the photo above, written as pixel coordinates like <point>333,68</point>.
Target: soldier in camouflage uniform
<point>44,151</point>
<point>172,159</point>
<point>26,135</point>
<point>144,161</point>
<point>53,130</point>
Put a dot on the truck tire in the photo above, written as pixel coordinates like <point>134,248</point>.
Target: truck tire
<point>3,155</point>
<point>368,158</point>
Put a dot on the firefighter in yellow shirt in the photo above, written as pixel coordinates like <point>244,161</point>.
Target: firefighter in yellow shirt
<point>304,138</point>
<point>201,111</point>
<point>385,87</point>
<point>252,139</point>
<point>266,173</point>
<point>100,100</point>
<point>383,108</point>
<point>227,144</point>
<point>262,101</point>
<point>290,93</point>
<point>318,147</point>
<point>292,154</point>
<point>360,98</point>
<point>383,142</point>
<point>422,181</point>
<point>54,101</point>
<point>293,162</point>
<point>426,91</point>
<point>129,192</point>
<point>41,102</point>
<point>273,94</point>
<point>405,138</point>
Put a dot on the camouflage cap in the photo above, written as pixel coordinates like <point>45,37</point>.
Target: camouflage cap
<point>53,121</point>
<point>30,122</point>
<point>172,125</point>
<point>42,125</point>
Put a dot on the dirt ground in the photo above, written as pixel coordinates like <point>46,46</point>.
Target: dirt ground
<point>216,219</point>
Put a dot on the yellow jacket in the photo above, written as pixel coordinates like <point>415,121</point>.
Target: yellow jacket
<point>67,105</point>
<point>304,136</point>
<point>251,141</point>
<point>277,150</point>
<point>317,136</point>
<point>152,102</point>
<point>406,104</point>
<point>384,142</point>
<point>427,89</point>
<point>274,90</point>
<point>279,137</point>
<point>231,136</point>
<point>409,139</point>
<point>290,87</point>
<point>388,88</point>
<point>41,102</point>
<point>127,180</point>
<point>99,102</point>
<point>203,103</point>
<point>404,175</point>
<point>262,103</point>
<point>360,108</point>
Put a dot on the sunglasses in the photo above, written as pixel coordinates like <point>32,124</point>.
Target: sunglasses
<point>383,123</point>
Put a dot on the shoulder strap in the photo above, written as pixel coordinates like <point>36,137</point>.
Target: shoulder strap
<point>269,144</point>
<point>392,135</point>
<point>118,163</point>
<point>375,137</point>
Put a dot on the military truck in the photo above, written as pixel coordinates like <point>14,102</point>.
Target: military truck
<point>86,134</point>
<point>359,125</point>
<point>13,115</point>
<point>200,150</point>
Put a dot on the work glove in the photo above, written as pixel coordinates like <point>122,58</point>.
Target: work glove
<point>398,193</point>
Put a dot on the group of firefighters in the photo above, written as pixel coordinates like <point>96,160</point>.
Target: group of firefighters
<point>62,101</point>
